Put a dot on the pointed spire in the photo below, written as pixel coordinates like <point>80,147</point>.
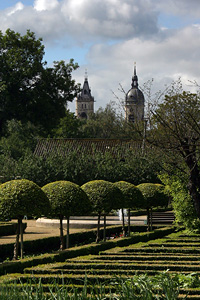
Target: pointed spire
<point>134,68</point>
<point>86,75</point>
<point>134,78</point>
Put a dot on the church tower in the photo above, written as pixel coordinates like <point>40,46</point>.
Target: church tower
<point>85,101</point>
<point>134,101</point>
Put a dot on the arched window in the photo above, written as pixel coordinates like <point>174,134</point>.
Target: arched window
<point>83,115</point>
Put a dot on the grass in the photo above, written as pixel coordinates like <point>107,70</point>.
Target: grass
<point>143,287</point>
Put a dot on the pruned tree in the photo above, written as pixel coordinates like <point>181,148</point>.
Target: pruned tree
<point>66,199</point>
<point>104,196</point>
<point>154,195</point>
<point>19,198</point>
<point>175,130</point>
<point>132,198</point>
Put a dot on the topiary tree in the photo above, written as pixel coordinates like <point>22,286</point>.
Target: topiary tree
<point>132,198</point>
<point>104,196</point>
<point>19,198</point>
<point>154,195</point>
<point>66,199</point>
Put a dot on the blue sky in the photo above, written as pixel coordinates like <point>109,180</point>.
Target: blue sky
<point>106,37</point>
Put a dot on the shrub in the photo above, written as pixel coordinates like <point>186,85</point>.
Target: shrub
<point>66,199</point>
<point>19,198</point>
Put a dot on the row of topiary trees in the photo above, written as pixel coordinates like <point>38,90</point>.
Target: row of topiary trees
<point>64,199</point>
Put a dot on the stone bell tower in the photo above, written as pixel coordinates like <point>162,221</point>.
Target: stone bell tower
<point>134,101</point>
<point>85,101</point>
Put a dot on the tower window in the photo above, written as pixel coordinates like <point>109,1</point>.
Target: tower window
<point>85,92</point>
<point>131,118</point>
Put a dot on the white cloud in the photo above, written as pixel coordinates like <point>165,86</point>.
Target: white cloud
<point>119,32</point>
<point>179,7</point>
<point>110,18</point>
<point>40,5</point>
<point>164,60</point>
<point>18,6</point>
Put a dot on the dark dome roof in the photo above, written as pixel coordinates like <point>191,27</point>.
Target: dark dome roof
<point>135,95</point>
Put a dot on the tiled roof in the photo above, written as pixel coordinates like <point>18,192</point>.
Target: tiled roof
<point>45,147</point>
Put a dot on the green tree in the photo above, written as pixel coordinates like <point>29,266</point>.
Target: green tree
<point>69,126</point>
<point>18,139</point>
<point>104,196</point>
<point>66,199</point>
<point>19,198</point>
<point>132,198</point>
<point>181,201</point>
<point>30,91</point>
<point>154,196</point>
<point>175,131</point>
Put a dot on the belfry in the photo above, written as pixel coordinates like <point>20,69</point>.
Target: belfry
<point>134,102</point>
<point>85,101</point>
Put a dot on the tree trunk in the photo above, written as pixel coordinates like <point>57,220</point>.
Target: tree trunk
<point>194,188</point>
<point>21,239</point>
<point>151,221</point>
<point>123,224</point>
<point>62,244</point>
<point>98,228</point>
<point>129,222</point>
<point>104,228</point>
<point>16,245</point>
<point>67,236</point>
<point>194,179</point>
<point>148,220</point>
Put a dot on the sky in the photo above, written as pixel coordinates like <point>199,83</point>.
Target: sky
<point>106,37</point>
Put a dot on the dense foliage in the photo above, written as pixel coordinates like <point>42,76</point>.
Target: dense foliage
<point>132,196</point>
<point>103,195</point>
<point>30,91</point>
<point>19,198</point>
<point>181,202</point>
<point>154,194</point>
<point>22,197</point>
<point>66,199</point>
<point>175,131</point>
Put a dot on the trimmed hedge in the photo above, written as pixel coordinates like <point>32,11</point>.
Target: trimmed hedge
<point>9,228</point>
<point>52,243</point>
<point>19,266</point>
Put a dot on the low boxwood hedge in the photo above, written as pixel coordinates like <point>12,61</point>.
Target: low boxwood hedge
<point>9,228</point>
<point>19,266</point>
<point>50,244</point>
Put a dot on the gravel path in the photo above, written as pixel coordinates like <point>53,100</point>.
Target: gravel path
<point>32,232</point>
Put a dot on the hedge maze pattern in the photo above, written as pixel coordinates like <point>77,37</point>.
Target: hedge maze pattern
<point>176,253</point>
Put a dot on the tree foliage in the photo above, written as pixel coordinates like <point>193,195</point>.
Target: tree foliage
<point>29,90</point>
<point>19,198</point>
<point>104,196</point>
<point>132,198</point>
<point>22,197</point>
<point>181,202</point>
<point>175,130</point>
<point>66,199</point>
<point>154,195</point>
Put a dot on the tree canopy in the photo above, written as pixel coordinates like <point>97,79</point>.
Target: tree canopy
<point>19,198</point>
<point>175,129</point>
<point>104,196</point>
<point>66,199</point>
<point>30,91</point>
